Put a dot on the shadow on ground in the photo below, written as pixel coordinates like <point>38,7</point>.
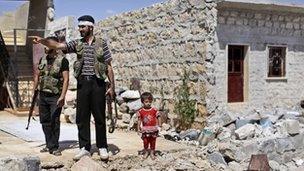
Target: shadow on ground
<point>65,145</point>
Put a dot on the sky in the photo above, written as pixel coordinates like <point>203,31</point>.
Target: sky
<point>99,9</point>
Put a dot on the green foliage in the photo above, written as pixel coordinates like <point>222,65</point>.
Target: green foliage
<point>184,107</point>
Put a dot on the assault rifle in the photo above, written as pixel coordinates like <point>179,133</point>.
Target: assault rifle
<point>31,108</point>
<point>113,119</point>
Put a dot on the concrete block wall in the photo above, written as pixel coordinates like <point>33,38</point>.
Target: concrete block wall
<point>257,29</point>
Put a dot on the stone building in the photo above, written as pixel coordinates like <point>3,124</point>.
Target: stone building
<point>242,55</point>
<point>259,60</point>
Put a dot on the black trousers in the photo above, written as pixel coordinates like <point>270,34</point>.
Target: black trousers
<point>91,99</point>
<point>50,119</point>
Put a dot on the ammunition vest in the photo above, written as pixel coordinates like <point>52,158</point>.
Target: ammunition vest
<point>50,78</point>
<point>100,67</point>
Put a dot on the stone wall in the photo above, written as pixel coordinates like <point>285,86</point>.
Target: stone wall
<point>257,29</point>
<point>155,44</point>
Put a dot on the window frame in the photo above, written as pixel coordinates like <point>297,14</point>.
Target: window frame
<point>286,59</point>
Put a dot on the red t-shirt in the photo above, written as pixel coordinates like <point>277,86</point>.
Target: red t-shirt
<point>148,118</point>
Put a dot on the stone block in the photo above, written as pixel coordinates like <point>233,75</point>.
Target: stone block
<point>88,164</point>
<point>268,24</point>
<point>134,105</point>
<point>297,141</point>
<point>231,152</point>
<point>292,126</point>
<point>52,165</point>
<point>227,118</point>
<point>261,23</point>
<point>247,149</point>
<point>274,165</point>
<point>284,145</point>
<point>126,118</point>
<point>300,168</point>
<point>267,146</point>
<point>70,98</point>
<point>119,100</point>
<point>123,108</point>
<point>239,22</point>
<point>225,134</point>
<point>289,25</point>
<point>258,16</point>
<point>296,26</point>
<point>130,94</point>
<point>235,166</point>
<point>71,113</point>
<point>190,134</point>
<point>298,161</point>
<point>288,156</point>
<point>221,20</point>
<point>216,158</point>
<point>20,163</point>
<point>245,131</point>
<point>166,127</point>
<point>241,122</point>
<point>231,21</point>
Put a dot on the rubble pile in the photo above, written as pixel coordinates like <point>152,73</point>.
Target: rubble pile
<point>230,141</point>
<point>189,159</point>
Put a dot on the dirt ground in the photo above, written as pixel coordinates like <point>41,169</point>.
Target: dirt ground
<point>121,144</point>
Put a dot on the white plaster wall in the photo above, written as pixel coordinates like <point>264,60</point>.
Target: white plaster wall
<point>257,29</point>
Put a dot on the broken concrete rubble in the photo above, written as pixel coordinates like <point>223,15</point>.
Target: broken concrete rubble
<point>20,163</point>
<point>246,131</point>
<point>216,158</point>
<point>130,94</point>
<point>134,106</point>
<point>190,134</point>
<point>280,138</point>
<point>292,126</point>
<point>223,119</point>
<point>225,133</point>
<point>165,127</point>
<point>87,163</point>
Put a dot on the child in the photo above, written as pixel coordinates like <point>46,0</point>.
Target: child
<point>148,124</point>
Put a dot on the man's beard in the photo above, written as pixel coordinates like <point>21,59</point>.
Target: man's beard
<point>84,34</point>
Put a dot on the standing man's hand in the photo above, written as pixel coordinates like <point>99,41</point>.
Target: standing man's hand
<point>60,102</point>
<point>111,92</point>
<point>36,39</point>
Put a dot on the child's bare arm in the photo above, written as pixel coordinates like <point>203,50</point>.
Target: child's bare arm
<point>138,124</point>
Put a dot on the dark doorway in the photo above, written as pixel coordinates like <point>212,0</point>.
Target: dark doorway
<point>236,73</point>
